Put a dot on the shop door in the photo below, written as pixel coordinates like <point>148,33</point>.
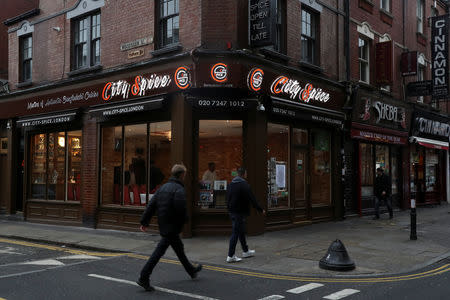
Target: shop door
<point>20,173</point>
<point>301,178</point>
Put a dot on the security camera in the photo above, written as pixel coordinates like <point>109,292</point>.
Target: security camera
<point>260,107</point>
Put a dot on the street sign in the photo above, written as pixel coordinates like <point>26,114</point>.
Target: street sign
<point>419,88</point>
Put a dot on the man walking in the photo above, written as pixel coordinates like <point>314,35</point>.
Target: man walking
<point>170,204</point>
<point>382,193</point>
<point>239,198</point>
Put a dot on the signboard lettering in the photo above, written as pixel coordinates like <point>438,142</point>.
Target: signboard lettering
<point>136,43</point>
<point>261,22</point>
<point>384,111</point>
<point>433,127</point>
<point>122,88</point>
<point>439,56</point>
<point>291,87</point>
<point>419,88</point>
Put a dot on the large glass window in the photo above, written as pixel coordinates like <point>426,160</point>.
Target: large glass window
<point>363,60</point>
<point>431,167</point>
<point>321,167</point>
<point>367,169</point>
<point>169,24</point>
<point>309,26</point>
<point>26,58</point>
<point>135,162</point>
<point>219,157</point>
<point>278,165</point>
<point>86,41</point>
<point>55,166</point>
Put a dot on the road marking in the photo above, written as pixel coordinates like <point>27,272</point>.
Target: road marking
<point>156,287</point>
<point>305,288</point>
<point>341,294</point>
<point>273,297</point>
<point>9,250</point>
<point>79,256</point>
<point>44,262</point>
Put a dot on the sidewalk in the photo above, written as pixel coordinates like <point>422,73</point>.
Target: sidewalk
<point>376,246</point>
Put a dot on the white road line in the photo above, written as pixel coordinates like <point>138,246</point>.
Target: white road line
<point>341,294</point>
<point>44,262</point>
<point>156,287</point>
<point>304,288</point>
<point>273,297</point>
<point>79,256</point>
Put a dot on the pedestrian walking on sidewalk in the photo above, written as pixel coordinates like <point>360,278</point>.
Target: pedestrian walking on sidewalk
<point>382,193</point>
<point>169,203</point>
<point>239,198</point>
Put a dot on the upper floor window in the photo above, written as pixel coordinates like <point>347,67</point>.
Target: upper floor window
<point>26,58</point>
<point>385,5</point>
<point>169,24</point>
<point>363,60</point>
<point>420,77</point>
<point>86,46</point>
<point>420,15</point>
<point>280,27</point>
<point>309,21</point>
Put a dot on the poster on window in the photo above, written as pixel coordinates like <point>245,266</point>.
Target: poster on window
<point>281,176</point>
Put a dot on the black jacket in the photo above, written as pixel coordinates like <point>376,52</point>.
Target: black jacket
<point>382,183</point>
<point>169,202</point>
<point>239,197</point>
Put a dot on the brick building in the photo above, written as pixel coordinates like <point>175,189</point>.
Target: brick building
<point>106,95</point>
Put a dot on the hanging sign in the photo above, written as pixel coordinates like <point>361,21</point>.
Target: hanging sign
<point>439,56</point>
<point>261,22</point>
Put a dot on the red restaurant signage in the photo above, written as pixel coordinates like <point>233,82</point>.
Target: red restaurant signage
<point>378,137</point>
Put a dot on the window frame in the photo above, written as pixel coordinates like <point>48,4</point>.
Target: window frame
<point>280,27</point>
<point>162,23</point>
<point>90,41</point>
<point>23,61</point>
<point>312,39</point>
<point>385,5</point>
<point>362,61</point>
<point>420,15</point>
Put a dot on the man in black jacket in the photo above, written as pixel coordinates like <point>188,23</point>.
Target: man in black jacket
<point>239,198</point>
<point>170,204</point>
<point>382,192</point>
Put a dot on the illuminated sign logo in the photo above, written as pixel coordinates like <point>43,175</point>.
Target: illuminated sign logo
<point>291,87</point>
<point>255,79</point>
<point>182,78</point>
<point>122,88</point>
<point>219,72</point>
<point>385,112</point>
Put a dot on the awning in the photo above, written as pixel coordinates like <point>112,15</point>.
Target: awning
<point>433,144</point>
<point>49,119</point>
<point>109,110</point>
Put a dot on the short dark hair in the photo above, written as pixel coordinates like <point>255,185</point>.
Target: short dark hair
<point>380,170</point>
<point>211,164</point>
<point>241,171</point>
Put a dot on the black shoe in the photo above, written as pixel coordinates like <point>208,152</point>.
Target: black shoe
<point>375,218</point>
<point>196,270</point>
<point>145,284</point>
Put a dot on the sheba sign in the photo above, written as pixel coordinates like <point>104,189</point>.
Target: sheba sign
<point>439,56</point>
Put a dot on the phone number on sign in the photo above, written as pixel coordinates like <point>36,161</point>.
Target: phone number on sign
<point>220,103</point>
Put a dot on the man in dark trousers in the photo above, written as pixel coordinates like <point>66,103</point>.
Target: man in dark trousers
<point>239,198</point>
<point>169,202</point>
<point>382,193</point>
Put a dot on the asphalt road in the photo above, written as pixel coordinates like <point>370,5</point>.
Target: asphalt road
<point>39,271</point>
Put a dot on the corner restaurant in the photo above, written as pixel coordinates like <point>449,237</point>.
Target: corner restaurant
<point>94,152</point>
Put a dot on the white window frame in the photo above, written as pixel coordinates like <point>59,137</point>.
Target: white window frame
<point>363,61</point>
<point>385,5</point>
<point>420,13</point>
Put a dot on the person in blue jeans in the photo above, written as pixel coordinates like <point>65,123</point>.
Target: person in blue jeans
<point>239,198</point>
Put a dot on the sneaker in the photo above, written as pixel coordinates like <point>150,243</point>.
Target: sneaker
<point>233,259</point>
<point>249,253</point>
<point>197,269</point>
<point>145,284</point>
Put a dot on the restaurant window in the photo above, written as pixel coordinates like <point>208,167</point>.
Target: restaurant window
<point>385,5</point>
<point>135,162</point>
<point>278,165</point>
<point>394,172</point>
<point>169,24</point>
<point>309,35</point>
<point>86,41</point>
<point>363,60</point>
<point>420,12</point>
<point>219,157</point>
<point>26,58</point>
<point>431,167</point>
<point>321,167</point>
<point>367,169</point>
<point>56,166</point>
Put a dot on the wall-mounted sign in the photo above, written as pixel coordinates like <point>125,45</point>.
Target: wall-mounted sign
<point>182,78</point>
<point>384,66</point>
<point>46,120</point>
<point>298,92</point>
<point>215,104</point>
<point>432,127</point>
<point>419,88</point>
<point>255,79</point>
<point>136,43</point>
<point>307,116</point>
<point>377,137</point>
<point>135,53</point>
<point>261,22</point>
<point>408,63</point>
<point>219,72</point>
<point>384,111</point>
<point>439,55</point>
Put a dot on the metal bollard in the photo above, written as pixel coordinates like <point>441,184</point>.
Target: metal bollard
<point>413,235</point>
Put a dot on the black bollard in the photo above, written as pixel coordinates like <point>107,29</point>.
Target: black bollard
<point>413,235</point>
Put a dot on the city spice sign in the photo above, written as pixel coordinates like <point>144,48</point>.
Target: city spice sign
<point>296,91</point>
